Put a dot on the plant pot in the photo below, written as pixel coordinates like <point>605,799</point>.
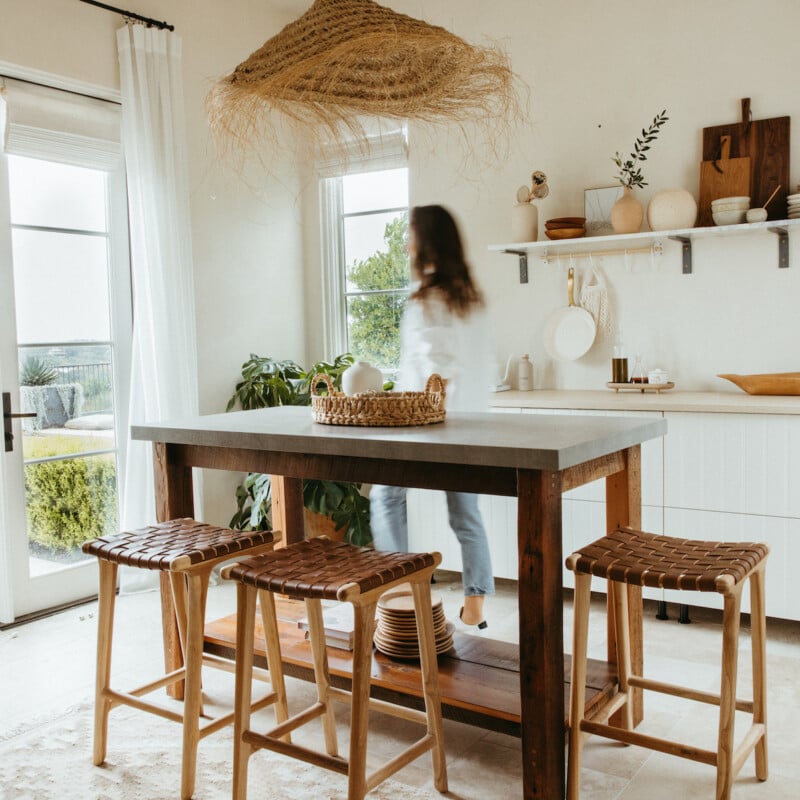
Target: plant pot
<point>627,213</point>
<point>320,525</point>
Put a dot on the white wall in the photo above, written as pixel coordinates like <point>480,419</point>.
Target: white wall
<point>246,235</point>
<point>598,73</point>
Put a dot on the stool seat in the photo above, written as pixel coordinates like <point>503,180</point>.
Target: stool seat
<point>175,545</point>
<point>321,568</point>
<point>647,559</point>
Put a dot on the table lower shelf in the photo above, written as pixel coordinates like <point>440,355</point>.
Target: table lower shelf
<point>478,677</point>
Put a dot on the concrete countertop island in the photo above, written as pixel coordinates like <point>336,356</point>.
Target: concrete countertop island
<point>670,400</point>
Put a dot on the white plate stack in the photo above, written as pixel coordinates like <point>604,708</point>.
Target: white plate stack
<point>793,202</point>
<point>396,633</point>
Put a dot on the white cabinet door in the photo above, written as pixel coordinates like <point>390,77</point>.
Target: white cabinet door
<point>743,463</point>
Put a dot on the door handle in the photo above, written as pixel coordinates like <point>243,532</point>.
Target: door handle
<point>8,432</point>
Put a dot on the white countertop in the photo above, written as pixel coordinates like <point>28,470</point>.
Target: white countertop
<point>671,400</point>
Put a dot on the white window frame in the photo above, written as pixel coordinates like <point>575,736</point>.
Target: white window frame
<point>386,150</point>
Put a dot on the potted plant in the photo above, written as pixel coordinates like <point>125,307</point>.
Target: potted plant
<point>54,403</point>
<point>265,383</point>
<point>627,214</point>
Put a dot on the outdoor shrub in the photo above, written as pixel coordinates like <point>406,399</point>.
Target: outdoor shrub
<point>35,372</point>
<point>71,501</point>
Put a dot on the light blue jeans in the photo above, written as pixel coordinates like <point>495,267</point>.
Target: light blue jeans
<point>389,523</point>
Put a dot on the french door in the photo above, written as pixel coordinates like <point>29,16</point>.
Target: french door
<point>65,330</point>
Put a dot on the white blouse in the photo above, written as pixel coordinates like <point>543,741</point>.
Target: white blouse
<point>435,339</point>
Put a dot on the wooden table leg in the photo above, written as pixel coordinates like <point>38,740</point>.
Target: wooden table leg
<point>541,636</point>
<point>287,508</point>
<point>174,499</point>
<point>624,509</point>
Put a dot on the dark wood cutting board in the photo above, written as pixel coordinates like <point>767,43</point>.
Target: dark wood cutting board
<point>724,177</point>
<point>766,142</point>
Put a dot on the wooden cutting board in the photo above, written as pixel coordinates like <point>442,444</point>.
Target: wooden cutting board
<point>766,142</point>
<point>723,177</point>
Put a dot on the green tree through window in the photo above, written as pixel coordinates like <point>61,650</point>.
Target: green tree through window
<point>376,302</point>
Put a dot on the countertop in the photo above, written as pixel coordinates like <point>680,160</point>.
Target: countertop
<point>671,400</point>
<point>486,439</point>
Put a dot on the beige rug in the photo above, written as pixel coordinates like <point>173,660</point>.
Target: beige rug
<point>53,761</point>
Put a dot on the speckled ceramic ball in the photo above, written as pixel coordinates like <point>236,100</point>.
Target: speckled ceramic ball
<point>671,209</point>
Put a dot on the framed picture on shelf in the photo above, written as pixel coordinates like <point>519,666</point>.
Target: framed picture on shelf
<point>597,204</point>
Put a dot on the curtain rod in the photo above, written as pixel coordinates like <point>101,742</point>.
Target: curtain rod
<point>154,23</point>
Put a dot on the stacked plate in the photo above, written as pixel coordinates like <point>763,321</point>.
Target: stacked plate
<point>793,202</point>
<point>396,633</point>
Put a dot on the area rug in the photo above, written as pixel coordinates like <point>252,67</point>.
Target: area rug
<point>53,761</point>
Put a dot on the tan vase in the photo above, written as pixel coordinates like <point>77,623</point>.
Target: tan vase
<point>627,213</point>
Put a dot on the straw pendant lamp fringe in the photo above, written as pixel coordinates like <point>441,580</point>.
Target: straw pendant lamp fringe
<point>344,60</point>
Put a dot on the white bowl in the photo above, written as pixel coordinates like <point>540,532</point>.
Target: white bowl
<point>733,217</point>
<point>730,206</point>
<point>736,200</point>
<point>756,215</point>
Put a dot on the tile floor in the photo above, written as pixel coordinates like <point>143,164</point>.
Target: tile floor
<point>47,666</point>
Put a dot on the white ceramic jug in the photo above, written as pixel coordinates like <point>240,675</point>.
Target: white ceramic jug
<point>362,377</point>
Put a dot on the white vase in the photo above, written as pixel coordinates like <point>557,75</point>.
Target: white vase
<point>362,377</point>
<point>671,209</point>
<point>524,222</point>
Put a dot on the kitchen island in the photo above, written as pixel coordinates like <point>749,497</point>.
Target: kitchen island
<point>531,458</point>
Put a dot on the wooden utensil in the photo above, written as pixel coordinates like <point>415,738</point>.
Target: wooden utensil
<point>721,176</point>
<point>766,143</point>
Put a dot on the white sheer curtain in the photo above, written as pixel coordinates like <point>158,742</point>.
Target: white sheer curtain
<point>164,364</point>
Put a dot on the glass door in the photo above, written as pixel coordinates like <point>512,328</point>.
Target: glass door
<point>65,283</point>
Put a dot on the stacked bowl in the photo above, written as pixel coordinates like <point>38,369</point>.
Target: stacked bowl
<point>730,210</point>
<point>565,228</point>
<point>793,202</point>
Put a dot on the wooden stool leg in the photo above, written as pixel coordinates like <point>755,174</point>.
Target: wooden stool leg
<point>245,620</point>
<point>194,665</point>
<point>727,705</point>
<point>580,633</point>
<point>429,668</point>
<point>319,651</point>
<point>758,632</point>
<point>107,593</point>
<point>364,618</point>
<point>269,623</point>
<point>619,599</point>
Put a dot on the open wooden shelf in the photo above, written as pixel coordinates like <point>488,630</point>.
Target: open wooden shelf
<point>478,677</point>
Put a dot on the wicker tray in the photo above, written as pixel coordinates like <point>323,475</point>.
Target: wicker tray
<point>379,408</point>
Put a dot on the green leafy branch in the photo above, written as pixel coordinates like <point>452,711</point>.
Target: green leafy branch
<point>630,173</point>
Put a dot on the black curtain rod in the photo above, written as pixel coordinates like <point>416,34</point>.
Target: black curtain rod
<point>151,23</point>
<point>60,89</point>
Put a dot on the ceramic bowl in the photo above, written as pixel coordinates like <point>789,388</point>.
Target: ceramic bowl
<point>733,217</point>
<point>757,215</point>
<point>565,233</point>
<point>738,201</point>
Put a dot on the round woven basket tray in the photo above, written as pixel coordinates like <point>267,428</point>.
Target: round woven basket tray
<point>379,408</point>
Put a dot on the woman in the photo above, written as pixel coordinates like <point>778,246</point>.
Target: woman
<point>444,330</point>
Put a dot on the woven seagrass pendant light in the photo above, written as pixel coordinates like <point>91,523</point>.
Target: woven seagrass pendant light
<point>344,60</point>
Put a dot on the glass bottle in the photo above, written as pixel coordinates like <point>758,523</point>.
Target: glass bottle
<point>619,364</point>
<point>638,373</point>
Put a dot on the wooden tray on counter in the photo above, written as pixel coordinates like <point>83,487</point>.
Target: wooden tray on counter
<point>641,387</point>
<point>774,383</point>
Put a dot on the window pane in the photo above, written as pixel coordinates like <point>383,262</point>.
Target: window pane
<point>68,502</point>
<point>375,252</point>
<point>366,191</point>
<point>373,328</point>
<point>54,195</point>
<point>61,287</point>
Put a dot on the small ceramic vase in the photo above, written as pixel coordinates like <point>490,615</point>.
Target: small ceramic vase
<point>627,213</point>
<point>524,222</point>
<point>362,377</point>
<point>671,209</point>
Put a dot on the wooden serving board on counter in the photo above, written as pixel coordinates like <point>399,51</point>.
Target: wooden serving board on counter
<point>766,143</point>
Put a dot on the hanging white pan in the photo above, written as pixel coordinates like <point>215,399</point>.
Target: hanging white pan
<point>569,332</point>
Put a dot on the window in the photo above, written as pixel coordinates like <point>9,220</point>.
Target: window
<point>366,274</point>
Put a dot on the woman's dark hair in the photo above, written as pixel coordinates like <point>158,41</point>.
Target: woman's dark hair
<point>439,261</point>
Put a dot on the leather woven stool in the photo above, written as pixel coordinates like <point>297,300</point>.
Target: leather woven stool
<point>320,569</point>
<point>628,556</point>
<point>188,550</point>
